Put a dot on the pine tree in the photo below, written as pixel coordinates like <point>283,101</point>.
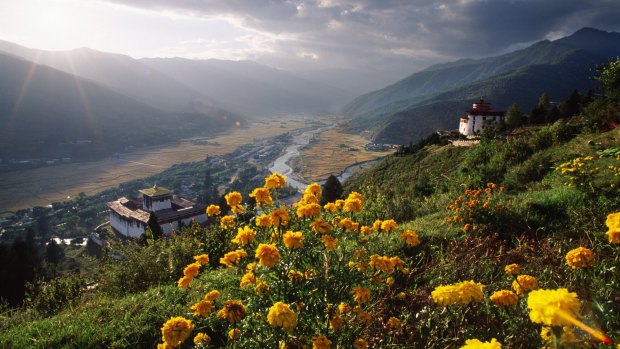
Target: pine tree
<point>331,190</point>
<point>514,117</point>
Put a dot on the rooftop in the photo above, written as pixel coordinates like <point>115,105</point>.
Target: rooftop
<point>156,191</point>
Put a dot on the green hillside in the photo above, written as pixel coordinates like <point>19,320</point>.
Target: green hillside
<point>435,97</point>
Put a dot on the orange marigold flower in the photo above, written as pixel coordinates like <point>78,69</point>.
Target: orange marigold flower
<point>211,295</point>
<point>394,323</point>
<point>313,189</point>
<point>202,259</point>
<point>202,339</point>
<point>184,282</point>
<point>202,308</point>
<point>352,205</point>
<point>580,258</point>
<point>376,226</point>
<point>504,298</point>
<point>410,237</point>
<point>309,210</point>
<point>336,322</point>
<point>233,198</point>
<point>321,342</point>
<point>613,225</point>
<point>360,343</point>
<point>267,255</point>
<point>361,294</point>
<point>347,224</point>
<point>331,207</point>
<point>232,258</point>
<point>320,226</point>
<point>389,225</point>
<point>227,222</point>
<point>280,216</point>
<point>176,330</point>
<point>275,181</point>
<point>233,311</point>
<point>524,283</point>
<point>466,227</point>
<point>280,315</point>
<point>213,210</point>
<point>344,308</point>
<point>262,196</point>
<point>192,270</point>
<point>238,209</point>
<point>330,242</point>
<point>247,279</point>
<point>295,275</point>
<point>293,239</point>
<point>234,334</point>
<point>244,236</point>
<point>513,269</point>
<point>264,221</point>
<point>365,230</point>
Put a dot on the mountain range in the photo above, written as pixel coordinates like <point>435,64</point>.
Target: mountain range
<point>436,97</point>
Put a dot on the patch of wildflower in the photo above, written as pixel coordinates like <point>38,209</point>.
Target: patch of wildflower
<point>464,292</point>
<point>481,211</point>
<point>579,172</point>
<point>580,258</point>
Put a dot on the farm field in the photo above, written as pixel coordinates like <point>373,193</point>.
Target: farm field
<point>331,152</point>
<point>42,186</point>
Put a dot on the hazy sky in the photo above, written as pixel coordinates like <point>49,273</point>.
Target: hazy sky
<point>384,35</point>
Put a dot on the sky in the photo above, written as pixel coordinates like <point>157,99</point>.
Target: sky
<point>397,37</point>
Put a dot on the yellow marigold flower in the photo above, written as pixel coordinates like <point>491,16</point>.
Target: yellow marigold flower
<point>227,222</point>
<point>261,287</point>
<point>346,224</point>
<point>355,196</point>
<point>233,198</point>
<point>313,189</point>
<point>397,262</point>
<point>394,323</point>
<point>336,323</point>
<point>524,283</point>
<point>504,298</point>
<point>389,281</point>
<point>330,242</point>
<point>477,344</point>
<point>176,330</point>
<point>344,308</point>
<point>192,270</point>
<point>310,274</point>
<point>202,339</point>
<point>331,207</point>
<point>211,295</point>
<point>280,216</point>
<point>262,196</point>
<point>233,311</point>
<point>202,259</point>
<point>164,346</point>
<point>184,282</point>
<point>352,205</point>
<point>321,342</point>
<point>613,225</point>
<point>460,293</point>
<point>389,225</point>
<point>234,334</point>
<point>580,258</point>
<point>365,317</point>
<point>232,258</point>
<point>293,239</point>
<point>339,204</point>
<point>280,315</point>
<point>264,221</point>
<point>238,209</point>
<point>295,275</point>
<point>202,308</point>
<point>275,181</point>
<point>213,210</point>
<point>248,279</point>
<point>551,307</point>
<point>410,237</point>
<point>320,226</point>
<point>361,294</point>
<point>244,236</point>
<point>376,226</point>
<point>360,344</point>
<point>307,199</point>
<point>309,210</point>
<point>545,334</point>
<point>466,227</point>
<point>513,269</point>
<point>365,230</point>
<point>267,255</point>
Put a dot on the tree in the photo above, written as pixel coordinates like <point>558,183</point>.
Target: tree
<point>53,252</point>
<point>537,115</point>
<point>572,106</point>
<point>153,231</point>
<point>553,115</point>
<point>543,101</point>
<point>209,190</point>
<point>609,77</point>
<point>331,190</point>
<point>514,116</point>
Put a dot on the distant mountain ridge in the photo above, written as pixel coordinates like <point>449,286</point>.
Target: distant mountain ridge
<point>434,98</point>
<point>46,114</point>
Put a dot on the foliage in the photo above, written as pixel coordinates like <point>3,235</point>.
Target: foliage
<point>48,298</point>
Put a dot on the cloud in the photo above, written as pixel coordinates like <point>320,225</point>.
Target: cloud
<point>389,34</point>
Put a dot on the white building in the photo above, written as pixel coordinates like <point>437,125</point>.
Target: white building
<point>478,117</point>
<point>130,217</point>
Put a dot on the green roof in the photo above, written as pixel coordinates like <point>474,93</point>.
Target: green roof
<point>155,191</point>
